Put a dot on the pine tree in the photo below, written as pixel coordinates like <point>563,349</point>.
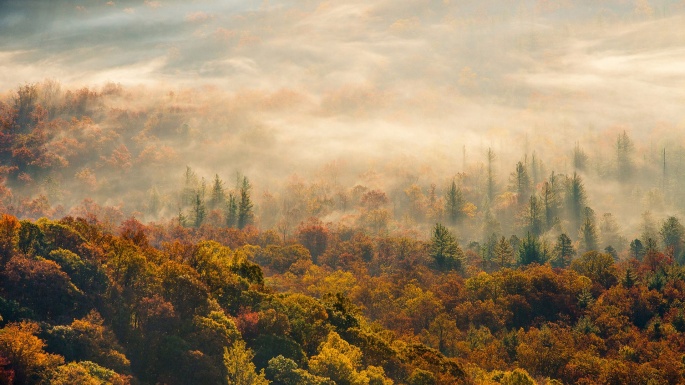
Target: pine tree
<point>637,250</point>
<point>530,251</point>
<point>575,200</point>
<point>504,252</point>
<point>232,211</point>
<point>199,210</point>
<point>550,201</point>
<point>588,230</point>
<point>520,182</point>
<point>533,216</point>
<point>444,249</point>
<point>629,278</point>
<point>245,214</point>
<point>564,251</point>
<point>454,204</point>
<point>218,198</point>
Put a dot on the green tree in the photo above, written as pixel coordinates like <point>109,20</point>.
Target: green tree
<point>575,199</point>
<point>533,216</point>
<point>637,250</point>
<point>550,201</point>
<point>199,210</point>
<point>530,251</point>
<point>673,236</point>
<point>520,182</point>
<point>588,231</point>
<point>504,253</point>
<point>444,249</point>
<point>218,197</point>
<point>232,211</point>
<point>563,251</point>
<point>245,215</point>
<point>239,367</point>
<point>454,204</point>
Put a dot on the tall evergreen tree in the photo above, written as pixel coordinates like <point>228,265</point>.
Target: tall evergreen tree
<point>533,216</point>
<point>520,182</point>
<point>575,200</point>
<point>218,197</point>
<point>504,253</point>
<point>444,249</point>
<point>245,215</point>
<point>232,211</point>
<point>563,251</point>
<point>530,251</point>
<point>454,204</point>
<point>588,231</point>
<point>199,210</point>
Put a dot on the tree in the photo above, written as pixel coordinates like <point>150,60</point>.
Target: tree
<point>550,201</point>
<point>337,360</point>
<point>454,204</point>
<point>28,360</point>
<point>599,267</point>
<point>520,182</point>
<point>444,249</point>
<point>588,230</point>
<point>504,253</point>
<point>637,250</point>
<point>218,197</point>
<point>199,210</point>
<point>673,236</point>
<point>231,211</point>
<point>563,250</point>
<point>624,150</point>
<point>9,228</point>
<point>575,199</point>
<point>533,216</point>
<point>245,215</point>
<point>530,251</point>
<point>239,367</point>
<point>579,158</point>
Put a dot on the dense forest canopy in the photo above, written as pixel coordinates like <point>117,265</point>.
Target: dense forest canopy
<point>359,192</point>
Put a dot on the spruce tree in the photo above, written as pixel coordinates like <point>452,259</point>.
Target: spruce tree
<point>245,214</point>
<point>444,249</point>
<point>232,211</point>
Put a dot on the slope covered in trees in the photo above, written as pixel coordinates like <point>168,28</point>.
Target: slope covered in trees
<point>383,275</point>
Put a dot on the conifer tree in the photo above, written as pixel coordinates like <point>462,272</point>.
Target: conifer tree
<point>444,249</point>
<point>218,197</point>
<point>232,211</point>
<point>245,214</point>
<point>454,203</point>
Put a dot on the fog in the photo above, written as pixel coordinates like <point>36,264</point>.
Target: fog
<point>387,93</point>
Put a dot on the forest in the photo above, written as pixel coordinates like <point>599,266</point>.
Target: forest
<point>112,273</point>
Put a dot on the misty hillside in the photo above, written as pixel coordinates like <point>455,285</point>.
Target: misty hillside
<point>361,192</point>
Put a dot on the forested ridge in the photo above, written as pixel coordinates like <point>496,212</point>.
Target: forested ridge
<point>129,255</point>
